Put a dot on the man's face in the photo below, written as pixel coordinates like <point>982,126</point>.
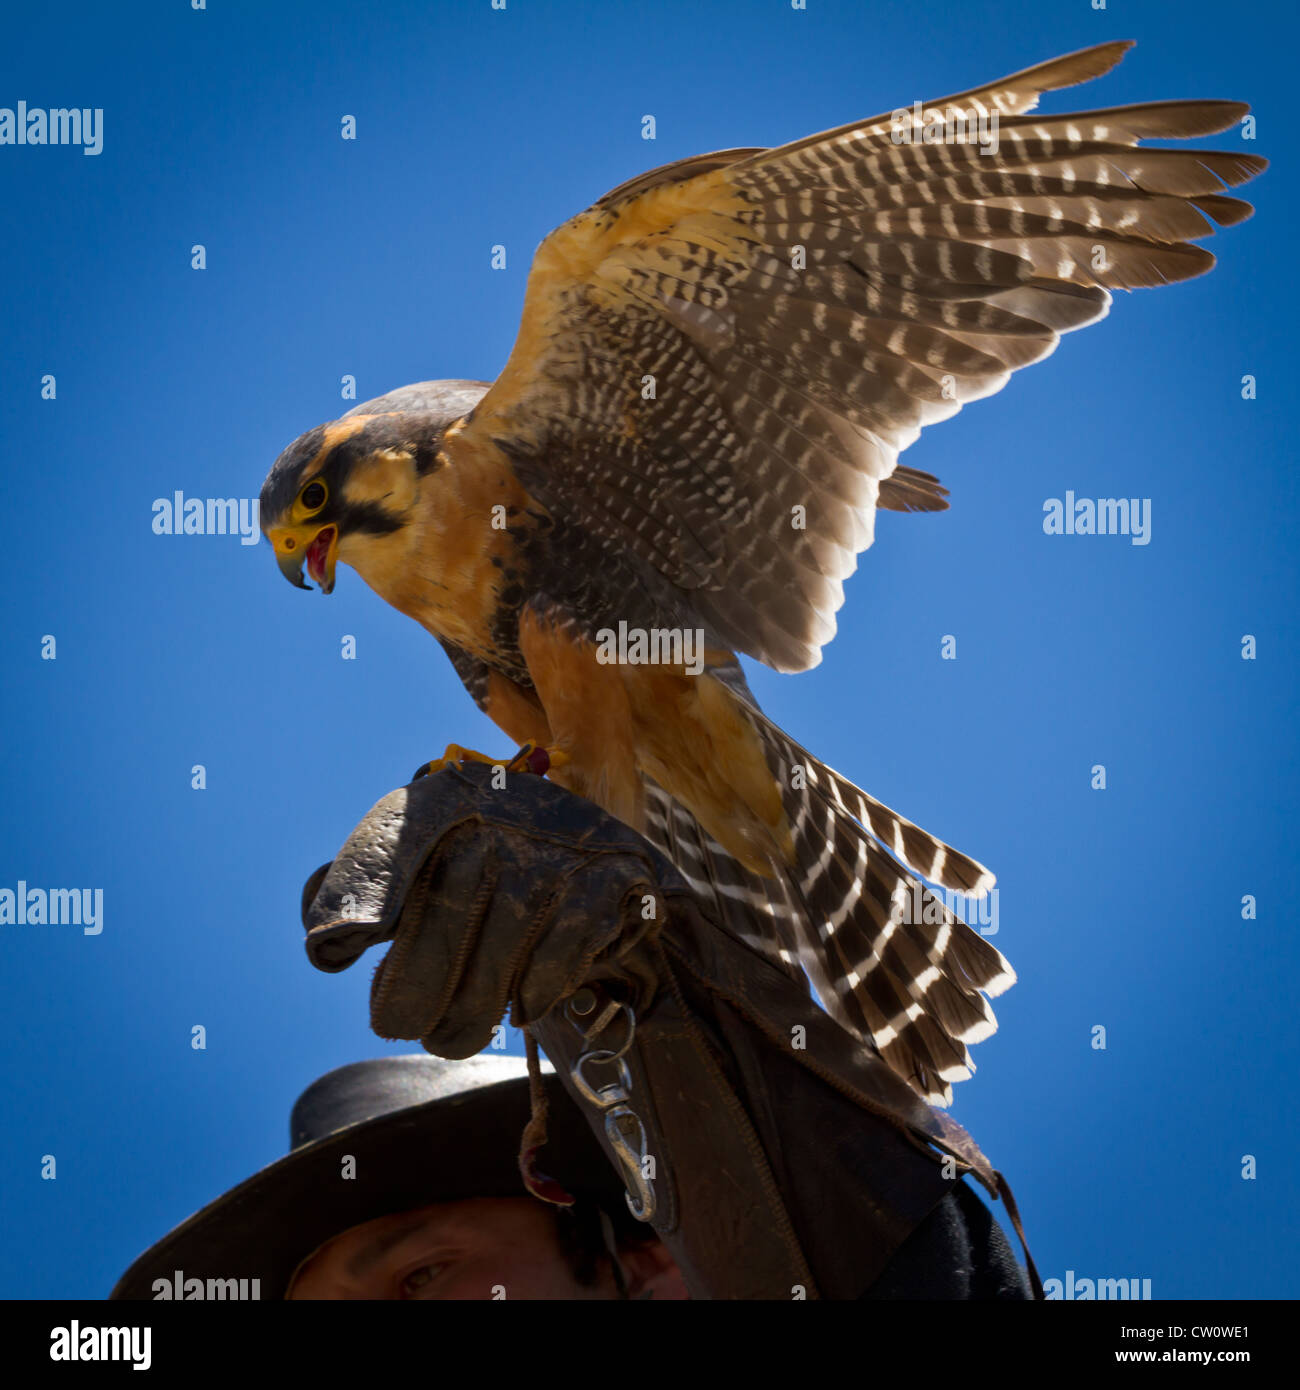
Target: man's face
<point>481,1248</point>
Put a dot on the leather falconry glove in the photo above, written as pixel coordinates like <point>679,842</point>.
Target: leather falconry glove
<point>775,1156</point>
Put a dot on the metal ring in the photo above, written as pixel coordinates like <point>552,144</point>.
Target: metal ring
<point>617,1092</point>
<point>631,1032</point>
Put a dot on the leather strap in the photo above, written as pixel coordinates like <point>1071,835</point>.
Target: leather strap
<point>716,1204</point>
<point>1035,1283</point>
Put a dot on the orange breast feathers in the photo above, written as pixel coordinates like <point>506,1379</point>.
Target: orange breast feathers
<point>617,720</point>
<point>453,560</point>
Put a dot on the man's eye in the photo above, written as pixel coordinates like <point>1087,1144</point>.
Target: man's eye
<point>313,496</point>
<point>418,1278</point>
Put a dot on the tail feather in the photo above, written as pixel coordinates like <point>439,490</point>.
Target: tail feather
<point>848,914</point>
<point>888,958</point>
<point>757,911</point>
<point>920,851</point>
<point>915,971</point>
<point>887,979</point>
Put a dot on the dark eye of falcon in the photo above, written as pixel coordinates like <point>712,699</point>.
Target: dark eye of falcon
<point>313,496</point>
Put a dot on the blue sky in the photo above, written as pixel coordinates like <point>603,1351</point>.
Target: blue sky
<point>1119,908</point>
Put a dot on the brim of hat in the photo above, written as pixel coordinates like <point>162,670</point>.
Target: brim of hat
<point>457,1146</point>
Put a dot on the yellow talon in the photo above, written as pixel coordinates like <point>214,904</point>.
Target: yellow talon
<point>456,754</point>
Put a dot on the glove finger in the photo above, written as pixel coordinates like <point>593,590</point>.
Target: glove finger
<point>436,934</point>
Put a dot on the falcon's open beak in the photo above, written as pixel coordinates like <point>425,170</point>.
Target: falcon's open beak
<point>319,555</point>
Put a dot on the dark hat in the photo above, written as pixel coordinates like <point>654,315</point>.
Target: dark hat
<point>418,1130</point>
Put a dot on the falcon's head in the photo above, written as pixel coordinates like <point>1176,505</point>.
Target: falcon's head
<point>341,489</point>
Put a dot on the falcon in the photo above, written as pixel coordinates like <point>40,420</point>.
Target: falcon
<point>717,367</point>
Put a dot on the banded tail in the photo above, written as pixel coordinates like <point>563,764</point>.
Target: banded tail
<point>844,914</point>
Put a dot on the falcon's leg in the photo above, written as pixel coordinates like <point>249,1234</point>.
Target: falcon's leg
<point>617,720</point>
<point>588,714</point>
<point>518,713</point>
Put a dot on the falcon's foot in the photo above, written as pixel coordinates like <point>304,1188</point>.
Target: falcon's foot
<point>530,758</point>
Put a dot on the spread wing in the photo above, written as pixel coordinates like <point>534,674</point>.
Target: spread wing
<point>719,363</point>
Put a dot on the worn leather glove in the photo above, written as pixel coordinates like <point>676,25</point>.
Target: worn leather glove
<point>771,1169</point>
<point>533,891</point>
